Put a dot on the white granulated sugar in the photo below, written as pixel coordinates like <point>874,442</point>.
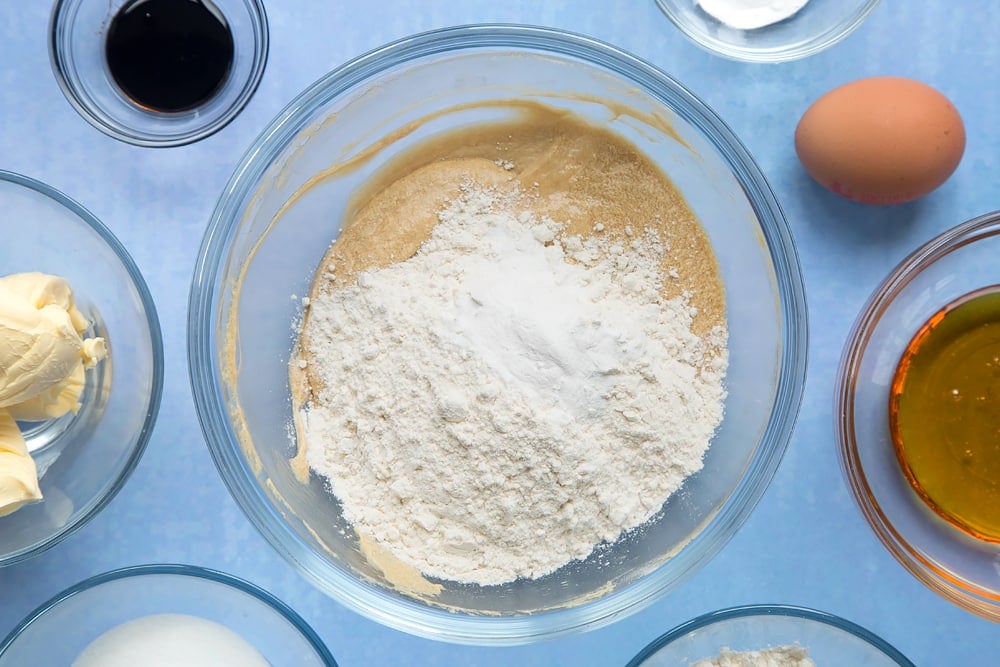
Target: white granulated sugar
<point>508,398</point>
<point>168,640</point>
<point>751,14</point>
<point>780,656</point>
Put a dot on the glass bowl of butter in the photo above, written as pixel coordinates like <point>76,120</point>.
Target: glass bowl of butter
<point>767,31</point>
<point>81,367</point>
<point>493,411</point>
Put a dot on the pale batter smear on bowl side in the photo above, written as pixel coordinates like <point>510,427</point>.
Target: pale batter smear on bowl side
<point>513,352</point>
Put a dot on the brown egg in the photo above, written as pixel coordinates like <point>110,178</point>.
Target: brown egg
<point>882,140</point>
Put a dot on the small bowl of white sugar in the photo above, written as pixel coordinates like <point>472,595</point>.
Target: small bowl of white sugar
<point>769,636</point>
<point>766,31</point>
<point>163,616</point>
<point>497,335</point>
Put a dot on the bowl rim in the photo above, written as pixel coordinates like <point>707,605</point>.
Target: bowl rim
<point>155,340</point>
<point>181,570</point>
<point>777,54</point>
<point>409,615</point>
<point>791,611</point>
<point>980,602</point>
<point>98,118</point>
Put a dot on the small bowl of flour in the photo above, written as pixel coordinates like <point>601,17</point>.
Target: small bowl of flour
<point>766,31</point>
<point>769,636</point>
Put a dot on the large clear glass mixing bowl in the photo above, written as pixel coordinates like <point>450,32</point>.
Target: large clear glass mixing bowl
<point>278,215</point>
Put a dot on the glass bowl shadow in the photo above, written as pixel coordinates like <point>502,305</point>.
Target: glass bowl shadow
<point>829,639</point>
<point>84,459</point>
<point>817,26</point>
<point>276,218</point>
<point>955,565</point>
<point>56,632</point>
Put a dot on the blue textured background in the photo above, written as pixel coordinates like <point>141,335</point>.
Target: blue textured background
<point>805,544</point>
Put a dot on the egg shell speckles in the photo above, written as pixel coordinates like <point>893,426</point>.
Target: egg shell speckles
<point>881,140</point>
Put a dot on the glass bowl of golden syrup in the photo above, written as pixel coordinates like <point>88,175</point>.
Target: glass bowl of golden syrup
<point>917,410</point>
<point>158,72</point>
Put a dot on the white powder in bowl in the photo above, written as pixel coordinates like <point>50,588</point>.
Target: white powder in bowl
<point>751,14</point>
<point>780,656</point>
<point>507,399</point>
<point>168,640</point>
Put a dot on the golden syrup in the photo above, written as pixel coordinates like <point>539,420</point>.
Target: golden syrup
<point>944,413</point>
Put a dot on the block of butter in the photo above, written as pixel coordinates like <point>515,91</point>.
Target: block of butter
<point>43,357</point>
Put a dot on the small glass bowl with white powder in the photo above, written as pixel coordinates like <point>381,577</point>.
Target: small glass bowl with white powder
<point>767,31</point>
<point>160,616</point>
<point>769,636</point>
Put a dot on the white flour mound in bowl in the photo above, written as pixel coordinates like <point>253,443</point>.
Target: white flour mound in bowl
<point>780,656</point>
<point>506,399</point>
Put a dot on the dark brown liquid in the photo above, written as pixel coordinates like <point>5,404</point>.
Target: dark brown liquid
<point>169,55</point>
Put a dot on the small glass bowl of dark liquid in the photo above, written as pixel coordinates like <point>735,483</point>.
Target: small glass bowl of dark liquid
<point>158,72</point>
